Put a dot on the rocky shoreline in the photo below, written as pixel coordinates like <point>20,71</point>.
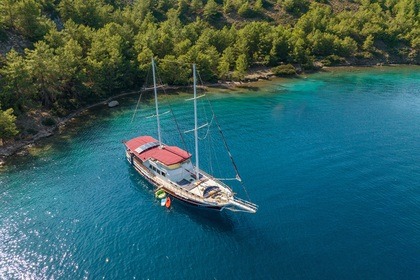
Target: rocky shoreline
<point>20,147</point>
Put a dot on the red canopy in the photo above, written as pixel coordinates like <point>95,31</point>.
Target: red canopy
<point>147,147</point>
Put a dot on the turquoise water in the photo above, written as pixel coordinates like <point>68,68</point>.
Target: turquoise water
<point>332,160</point>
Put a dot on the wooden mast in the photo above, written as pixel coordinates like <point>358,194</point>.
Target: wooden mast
<point>197,172</point>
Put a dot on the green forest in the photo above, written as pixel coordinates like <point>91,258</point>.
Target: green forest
<point>60,55</point>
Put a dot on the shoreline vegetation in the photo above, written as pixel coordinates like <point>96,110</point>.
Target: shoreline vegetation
<point>60,57</point>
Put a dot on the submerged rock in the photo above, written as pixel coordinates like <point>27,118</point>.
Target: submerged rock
<point>113,103</point>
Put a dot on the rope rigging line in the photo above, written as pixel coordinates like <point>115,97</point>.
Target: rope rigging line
<point>208,129</point>
<point>135,110</point>
<point>238,177</point>
<point>205,116</point>
<point>213,150</point>
<point>173,114</point>
<point>138,101</point>
<point>210,146</point>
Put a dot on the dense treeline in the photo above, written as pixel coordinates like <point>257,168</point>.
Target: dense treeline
<point>82,50</point>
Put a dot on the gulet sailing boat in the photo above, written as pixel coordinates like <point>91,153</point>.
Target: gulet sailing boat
<point>169,168</point>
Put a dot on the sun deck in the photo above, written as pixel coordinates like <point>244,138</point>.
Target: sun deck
<point>147,147</point>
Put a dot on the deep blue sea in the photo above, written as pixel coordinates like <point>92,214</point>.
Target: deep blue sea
<point>332,160</point>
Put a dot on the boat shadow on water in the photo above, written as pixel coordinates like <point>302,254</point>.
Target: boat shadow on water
<point>220,221</point>
<point>209,219</point>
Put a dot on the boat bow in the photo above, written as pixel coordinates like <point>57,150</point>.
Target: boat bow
<point>240,205</point>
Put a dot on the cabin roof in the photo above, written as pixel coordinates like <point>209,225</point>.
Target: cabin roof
<point>147,147</point>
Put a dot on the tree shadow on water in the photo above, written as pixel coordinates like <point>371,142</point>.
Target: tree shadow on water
<point>249,88</point>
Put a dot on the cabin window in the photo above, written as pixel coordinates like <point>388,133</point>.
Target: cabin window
<point>163,174</point>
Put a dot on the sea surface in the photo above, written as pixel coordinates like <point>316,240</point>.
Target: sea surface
<point>332,160</point>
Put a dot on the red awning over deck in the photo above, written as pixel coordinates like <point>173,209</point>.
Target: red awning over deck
<point>167,155</point>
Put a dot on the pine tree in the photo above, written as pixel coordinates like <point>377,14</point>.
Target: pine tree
<point>44,70</point>
<point>240,67</point>
<point>225,63</point>
<point>368,44</point>
<point>8,127</point>
<point>211,9</point>
<point>196,5</point>
<point>16,84</point>
<point>258,6</point>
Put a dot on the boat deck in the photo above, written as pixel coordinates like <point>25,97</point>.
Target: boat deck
<point>195,192</point>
